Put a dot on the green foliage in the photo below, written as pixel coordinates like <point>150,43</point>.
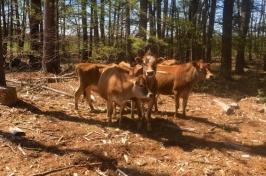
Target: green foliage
<point>105,52</point>
<point>137,45</point>
<point>261,95</point>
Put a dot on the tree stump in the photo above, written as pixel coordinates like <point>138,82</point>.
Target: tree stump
<point>8,95</point>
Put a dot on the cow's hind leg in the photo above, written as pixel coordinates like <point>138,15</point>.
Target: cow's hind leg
<point>176,103</point>
<point>78,93</point>
<point>109,111</point>
<point>87,96</point>
<point>122,106</point>
<point>184,104</point>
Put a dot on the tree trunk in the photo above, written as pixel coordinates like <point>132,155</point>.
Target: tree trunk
<point>35,21</point>
<point>95,20</point>
<point>244,24</point>
<point>91,29</point>
<point>128,45</point>
<point>11,29</point>
<point>2,71</point>
<point>210,30</point>
<point>84,55</point>
<point>110,22</point>
<point>165,12</point>
<point>102,21</point>
<point>152,18</point>
<point>159,20</point>
<point>204,28</point>
<point>143,19</point>
<point>50,62</point>
<point>226,61</point>
<point>5,26</point>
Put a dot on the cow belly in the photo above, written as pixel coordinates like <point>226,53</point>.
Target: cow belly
<point>165,89</point>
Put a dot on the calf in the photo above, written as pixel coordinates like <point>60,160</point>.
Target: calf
<point>180,79</point>
<point>117,86</point>
<point>89,75</point>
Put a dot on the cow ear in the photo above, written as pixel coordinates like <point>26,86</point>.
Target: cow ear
<point>138,60</point>
<point>195,64</point>
<point>160,59</point>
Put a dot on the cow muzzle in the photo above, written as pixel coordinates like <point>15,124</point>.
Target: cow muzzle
<point>150,73</point>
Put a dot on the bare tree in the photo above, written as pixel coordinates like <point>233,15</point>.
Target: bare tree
<point>2,72</point>
<point>50,62</point>
<point>245,14</point>
<point>210,30</point>
<point>226,62</point>
<point>84,29</point>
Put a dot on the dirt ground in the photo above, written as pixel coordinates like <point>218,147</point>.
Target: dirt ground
<point>62,141</point>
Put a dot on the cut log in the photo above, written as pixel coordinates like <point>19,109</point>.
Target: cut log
<point>8,96</point>
<point>227,109</point>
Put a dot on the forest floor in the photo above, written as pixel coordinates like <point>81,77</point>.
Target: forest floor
<point>68,142</point>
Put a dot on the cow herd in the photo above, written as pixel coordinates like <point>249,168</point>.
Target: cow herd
<point>140,83</point>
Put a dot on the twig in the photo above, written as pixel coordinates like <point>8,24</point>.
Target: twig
<point>100,172</point>
<point>63,168</point>
<point>22,151</point>
<point>58,91</point>
<point>10,148</point>
<point>121,173</point>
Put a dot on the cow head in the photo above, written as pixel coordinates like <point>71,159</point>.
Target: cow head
<point>203,69</point>
<point>149,64</point>
<point>140,89</point>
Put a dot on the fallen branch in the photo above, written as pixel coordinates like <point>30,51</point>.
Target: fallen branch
<point>63,168</point>
<point>121,173</point>
<point>100,172</point>
<point>58,91</point>
<point>226,108</point>
<point>21,150</point>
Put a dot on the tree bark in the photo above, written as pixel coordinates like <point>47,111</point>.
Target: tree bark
<point>35,18</point>
<point>127,27</point>
<point>165,12</point>
<point>152,18</point>
<point>245,13</point>
<point>50,62</point>
<point>102,21</point>
<point>95,20</point>
<point>210,30</point>
<point>226,61</point>
<point>5,26</point>
<point>84,55</point>
<point>143,19</point>
<point>2,71</point>
<point>159,20</point>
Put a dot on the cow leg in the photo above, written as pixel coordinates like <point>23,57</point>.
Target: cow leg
<point>109,111</point>
<point>148,117</point>
<point>184,104</point>
<point>156,104</point>
<point>114,109</point>
<point>78,93</point>
<point>133,104</point>
<point>176,103</point>
<point>88,98</point>
<point>140,114</point>
<point>121,114</point>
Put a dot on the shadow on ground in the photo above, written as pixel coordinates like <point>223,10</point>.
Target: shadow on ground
<point>164,131</point>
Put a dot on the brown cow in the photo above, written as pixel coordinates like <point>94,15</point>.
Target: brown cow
<point>89,75</point>
<point>149,64</point>
<point>117,86</point>
<point>180,79</point>
<point>169,62</point>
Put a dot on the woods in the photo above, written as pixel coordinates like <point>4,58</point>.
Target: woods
<point>132,87</point>
<point>184,30</point>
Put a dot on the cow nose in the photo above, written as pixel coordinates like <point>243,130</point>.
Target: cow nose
<point>150,73</point>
